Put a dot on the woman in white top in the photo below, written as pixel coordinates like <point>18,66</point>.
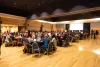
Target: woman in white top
<point>7,38</point>
<point>54,40</point>
<point>38,36</point>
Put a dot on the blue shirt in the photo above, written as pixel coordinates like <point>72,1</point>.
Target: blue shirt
<point>46,42</point>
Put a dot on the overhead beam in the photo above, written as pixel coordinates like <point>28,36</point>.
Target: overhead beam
<point>70,13</point>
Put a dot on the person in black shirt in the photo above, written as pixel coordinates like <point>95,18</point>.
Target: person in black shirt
<point>92,31</point>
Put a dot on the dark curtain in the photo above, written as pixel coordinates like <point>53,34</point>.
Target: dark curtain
<point>67,26</point>
<point>86,28</point>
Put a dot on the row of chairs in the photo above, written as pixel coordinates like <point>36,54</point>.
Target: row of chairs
<point>13,43</point>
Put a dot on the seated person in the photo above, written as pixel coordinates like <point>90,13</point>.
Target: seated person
<point>7,38</point>
<point>12,36</point>
<point>45,44</point>
<point>24,39</point>
<point>54,41</point>
<point>38,36</point>
<point>30,40</point>
<point>45,41</point>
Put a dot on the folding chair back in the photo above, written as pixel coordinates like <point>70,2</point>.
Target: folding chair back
<point>50,47</point>
<point>35,47</point>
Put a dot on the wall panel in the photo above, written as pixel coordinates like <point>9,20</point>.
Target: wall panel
<point>13,21</point>
<point>35,25</point>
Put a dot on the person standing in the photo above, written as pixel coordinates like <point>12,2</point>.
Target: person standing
<point>92,33</point>
<point>38,36</point>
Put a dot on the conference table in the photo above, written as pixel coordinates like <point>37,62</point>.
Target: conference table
<point>40,43</point>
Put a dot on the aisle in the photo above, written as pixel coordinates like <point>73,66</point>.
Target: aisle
<point>85,53</point>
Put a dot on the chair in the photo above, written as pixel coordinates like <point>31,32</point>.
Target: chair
<point>10,42</point>
<point>72,38</point>
<point>25,47</point>
<point>65,42</point>
<point>78,37</point>
<point>19,43</point>
<point>25,43</point>
<point>50,47</point>
<point>14,42</point>
<point>54,43</point>
<point>25,40</point>
<point>35,47</point>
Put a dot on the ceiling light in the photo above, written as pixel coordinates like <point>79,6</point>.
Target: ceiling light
<point>96,19</point>
<point>42,2</point>
<point>78,21</point>
<point>41,20</point>
<point>65,22</point>
<point>38,4</point>
<point>15,3</point>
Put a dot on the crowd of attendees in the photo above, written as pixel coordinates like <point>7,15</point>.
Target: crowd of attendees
<point>42,39</point>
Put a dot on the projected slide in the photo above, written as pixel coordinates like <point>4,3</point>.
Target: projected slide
<point>76,26</point>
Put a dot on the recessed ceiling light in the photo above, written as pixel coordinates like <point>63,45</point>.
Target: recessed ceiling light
<point>38,4</point>
<point>14,3</point>
<point>42,2</point>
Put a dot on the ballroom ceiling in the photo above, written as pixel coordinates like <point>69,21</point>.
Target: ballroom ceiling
<point>27,8</point>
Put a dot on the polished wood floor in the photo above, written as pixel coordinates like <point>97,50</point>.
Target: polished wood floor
<point>85,53</point>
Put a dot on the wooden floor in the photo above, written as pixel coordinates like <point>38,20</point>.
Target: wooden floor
<point>85,53</point>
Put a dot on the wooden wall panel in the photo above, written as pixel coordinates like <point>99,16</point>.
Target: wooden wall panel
<point>47,29</point>
<point>54,27</point>
<point>35,25</point>
<point>13,21</point>
<point>47,25</point>
<point>33,28</point>
<point>20,21</point>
